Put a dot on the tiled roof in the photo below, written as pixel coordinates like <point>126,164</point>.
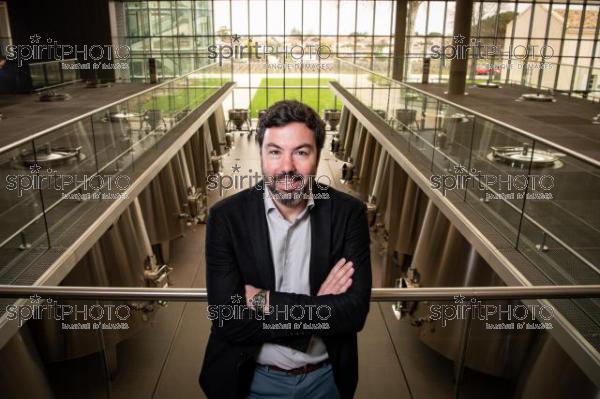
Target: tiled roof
<point>574,21</point>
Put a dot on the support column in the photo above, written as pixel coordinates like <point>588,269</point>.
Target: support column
<point>462,30</point>
<point>400,39</point>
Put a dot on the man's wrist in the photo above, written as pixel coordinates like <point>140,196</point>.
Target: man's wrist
<point>260,300</point>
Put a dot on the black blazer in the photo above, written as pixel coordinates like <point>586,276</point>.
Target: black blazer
<point>238,253</point>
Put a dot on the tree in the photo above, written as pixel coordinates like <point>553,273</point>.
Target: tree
<point>223,31</point>
<point>413,9</point>
<point>488,24</point>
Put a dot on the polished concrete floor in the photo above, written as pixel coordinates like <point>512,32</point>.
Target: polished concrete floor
<point>164,359</point>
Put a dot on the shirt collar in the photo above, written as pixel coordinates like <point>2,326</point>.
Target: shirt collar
<point>270,205</point>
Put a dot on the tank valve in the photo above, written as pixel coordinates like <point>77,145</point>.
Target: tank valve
<point>158,276</point>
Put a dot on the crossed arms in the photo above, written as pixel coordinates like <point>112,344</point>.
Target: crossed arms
<point>345,292</point>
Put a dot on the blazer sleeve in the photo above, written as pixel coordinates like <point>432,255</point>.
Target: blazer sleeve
<point>232,321</point>
<point>348,311</point>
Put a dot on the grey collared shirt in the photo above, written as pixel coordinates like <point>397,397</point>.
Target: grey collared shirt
<point>290,249</point>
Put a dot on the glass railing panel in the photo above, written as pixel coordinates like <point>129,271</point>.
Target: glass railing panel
<point>413,334</point>
<point>561,205</point>
<point>78,164</point>
<point>460,348</point>
<point>449,342</point>
<point>68,155</point>
<point>401,114</point>
<point>69,73</point>
<point>347,77</point>
<point>453,137</point>
<point>508,349</point>
<point>23,233</point>
<point>425,111</point>
<point>471,348</point>
<point>20,202</point>
<point>69,212</point>
<point>44,356</point>
<point>495,162</point>
<point>365,95</point>
<point>381,100</point>
<point>38,77</point>
<point>53,75</point>
<point>113,130</point>
<point>498,170</point>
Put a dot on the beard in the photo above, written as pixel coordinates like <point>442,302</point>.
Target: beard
<point>296,188</point>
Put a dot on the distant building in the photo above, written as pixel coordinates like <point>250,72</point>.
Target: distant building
<point>547,29</point>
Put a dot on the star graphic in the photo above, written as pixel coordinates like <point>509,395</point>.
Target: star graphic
<point>459,298</point>
<point>35,168</point>
<point>35,298</point>
<point>236,298</point>
<point>35,38</point>
<point>459,169</point>
<point>235,168</point>
<point>459,38</point>
<point>236,38</point>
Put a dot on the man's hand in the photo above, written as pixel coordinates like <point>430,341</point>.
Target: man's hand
<point>339,279</point>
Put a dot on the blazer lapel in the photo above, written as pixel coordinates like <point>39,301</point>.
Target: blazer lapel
<point>259,236</point>
<point>320,229</point>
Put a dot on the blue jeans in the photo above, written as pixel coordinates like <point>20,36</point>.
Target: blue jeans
<point>269,383</point>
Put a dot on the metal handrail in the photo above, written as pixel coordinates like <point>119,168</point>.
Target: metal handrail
<point>532,136</point>
<point>92,112</point>
<point>377,294</point>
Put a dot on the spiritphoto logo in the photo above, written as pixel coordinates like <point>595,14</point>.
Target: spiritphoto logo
<point>461,49</point>
<point>78,316</point>
<point>495,186</point>
<point>50,49</point>
<point>49,179</point>
<point>280,317</point>
<point>249,49</point>
<point>497,316</point>
<point>223,182</point>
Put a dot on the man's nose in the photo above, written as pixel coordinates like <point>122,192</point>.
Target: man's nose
<point>287,164</point>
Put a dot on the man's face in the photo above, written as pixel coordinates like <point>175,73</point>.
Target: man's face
<point>289,159</point>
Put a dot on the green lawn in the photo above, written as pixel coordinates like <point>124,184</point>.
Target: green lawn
<point>185,98</point>
<point>318,98</point>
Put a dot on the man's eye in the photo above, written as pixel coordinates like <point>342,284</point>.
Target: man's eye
<point>274,152</point>
<point>303,153</point>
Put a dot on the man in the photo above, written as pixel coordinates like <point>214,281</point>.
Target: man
<point>298,252</point>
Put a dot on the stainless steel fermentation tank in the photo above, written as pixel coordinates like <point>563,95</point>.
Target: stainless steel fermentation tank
<point>132,252</point>
<point>420,247</point>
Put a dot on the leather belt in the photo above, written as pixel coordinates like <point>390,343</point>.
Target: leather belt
<point>298,370</point>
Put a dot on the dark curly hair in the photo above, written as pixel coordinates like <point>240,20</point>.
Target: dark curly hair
<point>287,111</point>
